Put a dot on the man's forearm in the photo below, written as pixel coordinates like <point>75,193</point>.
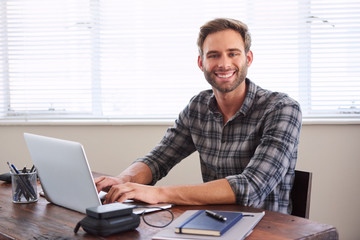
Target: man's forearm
<point>214,192</point>
<point>132,186</point>
<point>137,173</point>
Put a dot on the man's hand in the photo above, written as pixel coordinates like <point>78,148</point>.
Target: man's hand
<point>136,173</point>
<point>120,189</point>
<point>105,183</point>
<point>128,185</point>
<point>133,191</point>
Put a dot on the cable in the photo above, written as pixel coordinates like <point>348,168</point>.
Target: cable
<point>157,226</point>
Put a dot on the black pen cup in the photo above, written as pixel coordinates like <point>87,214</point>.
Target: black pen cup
<point>24,187</point>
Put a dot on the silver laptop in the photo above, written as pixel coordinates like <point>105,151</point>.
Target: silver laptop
<point>65,174</point>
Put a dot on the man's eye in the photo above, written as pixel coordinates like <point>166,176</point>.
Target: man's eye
<point>233,54</point>
<point>212,56</point>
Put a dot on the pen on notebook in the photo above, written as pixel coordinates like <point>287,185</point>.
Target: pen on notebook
<point>215,215</point>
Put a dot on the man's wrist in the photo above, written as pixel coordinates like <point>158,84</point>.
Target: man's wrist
<point>124,178</point>
<point>163,195</point>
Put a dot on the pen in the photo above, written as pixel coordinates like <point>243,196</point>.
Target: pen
<point>17,171</point>
<point>215,215</point>
<point>11,170</point>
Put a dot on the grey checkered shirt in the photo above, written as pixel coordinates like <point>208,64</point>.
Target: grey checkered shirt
<point>256,150</point>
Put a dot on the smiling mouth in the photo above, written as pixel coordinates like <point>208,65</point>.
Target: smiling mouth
<point>224,74</point>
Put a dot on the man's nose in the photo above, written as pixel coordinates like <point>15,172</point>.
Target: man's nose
<point>224,62</point>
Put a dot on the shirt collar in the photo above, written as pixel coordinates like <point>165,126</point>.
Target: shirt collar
<point>248,102</point>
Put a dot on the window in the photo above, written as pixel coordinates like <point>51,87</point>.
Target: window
<point>107,59</point>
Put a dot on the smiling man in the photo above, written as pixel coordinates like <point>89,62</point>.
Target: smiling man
<point>224,61</point>
<point>247,137</point>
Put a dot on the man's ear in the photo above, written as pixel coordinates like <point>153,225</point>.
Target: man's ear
<point>200,63</point>
<point>249,58</point>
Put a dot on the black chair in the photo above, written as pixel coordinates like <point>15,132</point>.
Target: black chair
<point>300,194</point>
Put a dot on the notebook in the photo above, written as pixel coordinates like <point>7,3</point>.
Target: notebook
<point>65,174</point>
<point>240,230</point>
<point>203,223</point>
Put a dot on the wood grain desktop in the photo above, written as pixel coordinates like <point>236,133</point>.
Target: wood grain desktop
<point>44,220</point>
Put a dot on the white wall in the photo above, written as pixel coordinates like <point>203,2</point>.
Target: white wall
<point>331,152</point>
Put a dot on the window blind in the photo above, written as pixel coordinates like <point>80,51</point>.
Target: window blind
<point>107,59</point>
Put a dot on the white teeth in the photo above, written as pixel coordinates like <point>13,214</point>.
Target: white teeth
<point>225,76</point>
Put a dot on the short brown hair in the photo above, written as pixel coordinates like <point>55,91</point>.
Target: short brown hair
<point>220,24</point>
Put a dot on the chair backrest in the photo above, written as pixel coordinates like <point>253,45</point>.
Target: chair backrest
<point>300,194</point>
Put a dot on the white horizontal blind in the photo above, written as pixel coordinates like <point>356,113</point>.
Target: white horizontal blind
<point>311,50</point>
<point>335,57</point>
<point>137,59</point>
<point>46,58</point>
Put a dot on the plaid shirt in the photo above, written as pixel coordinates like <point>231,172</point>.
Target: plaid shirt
<point>256,150</point>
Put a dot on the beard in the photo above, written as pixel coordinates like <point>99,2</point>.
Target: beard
<point>239,78</point>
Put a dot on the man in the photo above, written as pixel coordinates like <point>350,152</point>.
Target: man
<point>247,137</point>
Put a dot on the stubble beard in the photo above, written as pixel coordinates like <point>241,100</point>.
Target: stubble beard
<point>240,77</point>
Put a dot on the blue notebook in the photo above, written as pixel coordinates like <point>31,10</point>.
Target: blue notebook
<point>203,224</point>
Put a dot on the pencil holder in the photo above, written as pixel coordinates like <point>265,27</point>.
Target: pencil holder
<point>24,187</point>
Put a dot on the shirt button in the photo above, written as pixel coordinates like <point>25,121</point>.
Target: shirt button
<point>223,141</point>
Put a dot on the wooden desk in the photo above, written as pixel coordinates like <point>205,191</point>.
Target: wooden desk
<point>43,220</point>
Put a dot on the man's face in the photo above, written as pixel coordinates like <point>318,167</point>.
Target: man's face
<point>224,61</point>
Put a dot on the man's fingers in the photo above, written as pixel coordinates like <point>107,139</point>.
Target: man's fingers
<point>103,183</point>
<point>99,179</point>
<point>120,193</point>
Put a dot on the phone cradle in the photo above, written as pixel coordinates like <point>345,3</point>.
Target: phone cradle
<point>108,219</point>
